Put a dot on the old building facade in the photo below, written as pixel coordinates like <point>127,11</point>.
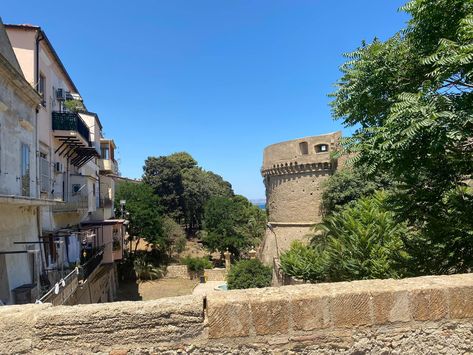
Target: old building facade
<point>293,174</point>
<point>50,159</point>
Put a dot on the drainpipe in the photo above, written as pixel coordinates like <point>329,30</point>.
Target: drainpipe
<point>39,37</point>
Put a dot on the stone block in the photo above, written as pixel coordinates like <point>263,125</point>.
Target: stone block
<point>270,312</point>
<point>308,312</point>
<point>390,306</point>
<point>228,315</point>
<point>461,302</point>
<point>428,304</point>
<point>347,310</point>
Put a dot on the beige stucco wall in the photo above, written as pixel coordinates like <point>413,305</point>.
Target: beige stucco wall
<point>415,316</point>
<point>14,108</point>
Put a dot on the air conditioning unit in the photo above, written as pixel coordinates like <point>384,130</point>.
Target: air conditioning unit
<point>58,167</point>
<point>61,94</point>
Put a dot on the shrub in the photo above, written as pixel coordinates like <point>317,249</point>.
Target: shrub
<point>197,265</point>
<point>249,274</point>
<point>362,241</point>
<point>145,270</point>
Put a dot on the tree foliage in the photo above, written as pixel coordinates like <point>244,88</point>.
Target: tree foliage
<point>144,212</point>
<point>348,185</point>
<point>410,99</point>
<point>183,187</point>
<point>361,241</point>
<point>249,274</point>
<point>232,223</point>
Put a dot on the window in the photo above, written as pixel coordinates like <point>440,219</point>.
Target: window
<point>44,172</point>
<point>304,148</point>
<point>25,170</point>
<point>321,148</point>
<point>105,152</point>
<point>42,88</point>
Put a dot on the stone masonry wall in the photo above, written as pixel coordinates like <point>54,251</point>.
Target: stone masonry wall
<point>294,173</point>
<point>415,316</point>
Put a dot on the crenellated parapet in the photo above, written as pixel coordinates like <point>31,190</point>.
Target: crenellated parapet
<point>295,168</point>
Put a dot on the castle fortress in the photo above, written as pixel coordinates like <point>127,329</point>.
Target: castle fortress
<point>293,173</point>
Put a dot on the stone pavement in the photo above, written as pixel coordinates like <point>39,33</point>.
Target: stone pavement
<point>205,288</point>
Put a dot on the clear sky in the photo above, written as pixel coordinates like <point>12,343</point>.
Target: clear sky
<point>220,79</point>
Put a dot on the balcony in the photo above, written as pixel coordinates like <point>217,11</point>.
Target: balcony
<point>69,124</point>
<point>74,204</point>
<point>71,130</point>
<point>107,166</point>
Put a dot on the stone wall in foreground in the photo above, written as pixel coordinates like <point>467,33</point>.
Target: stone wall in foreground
<point>418,315</point>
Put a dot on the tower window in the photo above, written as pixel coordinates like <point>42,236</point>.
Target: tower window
<point>304,148</point>
<point>321,148</point>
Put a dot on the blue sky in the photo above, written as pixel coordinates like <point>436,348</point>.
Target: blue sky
<point>219,79</point>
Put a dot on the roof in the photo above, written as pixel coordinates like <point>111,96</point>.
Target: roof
<point>28,27</point>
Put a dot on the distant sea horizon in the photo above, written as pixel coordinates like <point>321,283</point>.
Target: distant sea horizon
<point>261,203</point>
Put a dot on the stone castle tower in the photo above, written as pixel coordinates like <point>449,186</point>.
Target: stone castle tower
<point>293,172</point>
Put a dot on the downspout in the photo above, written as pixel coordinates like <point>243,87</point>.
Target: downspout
<point>39,37</point>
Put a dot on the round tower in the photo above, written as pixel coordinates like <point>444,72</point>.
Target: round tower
<point>293,173</point>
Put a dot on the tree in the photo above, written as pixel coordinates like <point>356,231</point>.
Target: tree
<point>198,187</point>
<point>144,212</point>
<point>347,185</point>
<point>232,223</point>
<point>175,234</point>
<point>183,187</point>
<point>410,99</point>
<point>249,274</point>
<point>361,241</point>
<point>163,174</point>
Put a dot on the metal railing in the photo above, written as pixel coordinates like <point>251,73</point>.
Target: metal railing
<point>70,121</point>
<point>62,290</point>
<point>91,264</point>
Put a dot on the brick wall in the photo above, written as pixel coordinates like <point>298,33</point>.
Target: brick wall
<point>418,315</point>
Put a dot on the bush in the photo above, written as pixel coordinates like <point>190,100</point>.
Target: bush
<point>197,265</point>
<point>362,241</point>
<point>249,274</point>
<point>145,270</point>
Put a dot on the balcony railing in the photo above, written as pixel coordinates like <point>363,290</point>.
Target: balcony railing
<point>78,202</point>
<point>70,121</point>
<point>107,165</point>
<point>91,264</point>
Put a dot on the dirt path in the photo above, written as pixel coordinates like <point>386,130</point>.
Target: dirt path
<point>151,290</point>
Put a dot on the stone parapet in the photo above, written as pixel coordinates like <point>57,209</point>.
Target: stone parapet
<point>417,315</point>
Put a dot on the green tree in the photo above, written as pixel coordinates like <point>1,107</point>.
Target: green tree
<point>232,223</point>
<point>144,212</point>
<point>411,101</point>
<point>347,185</point>
<point>164,175</point>
<point>361,241</point>
<point>249,274</point>
<point>175,234</point>
<point>183,187</point>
